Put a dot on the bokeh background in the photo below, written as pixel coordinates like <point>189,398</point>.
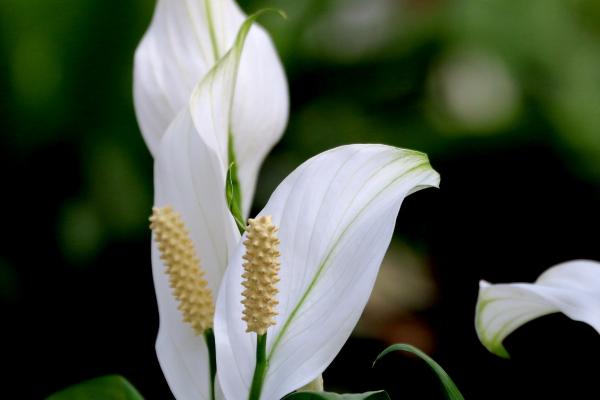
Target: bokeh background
<point>504,96</point>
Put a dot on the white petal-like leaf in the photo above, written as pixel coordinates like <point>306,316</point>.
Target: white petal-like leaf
<point>336,215</point>
<point>572,288</point>
<point>185,40</point>
<point>190,177</point>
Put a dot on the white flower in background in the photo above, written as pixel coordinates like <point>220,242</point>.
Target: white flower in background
<point>336,214</point>
<point>572,288</point>
<point>475,91</point>
<point>185,41</point>
<point>191,164</point>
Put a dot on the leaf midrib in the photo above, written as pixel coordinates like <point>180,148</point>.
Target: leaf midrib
<point>321,268</point>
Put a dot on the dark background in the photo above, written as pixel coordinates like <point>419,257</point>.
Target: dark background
<point>504,96</point>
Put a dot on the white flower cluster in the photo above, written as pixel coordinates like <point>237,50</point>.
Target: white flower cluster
<point>211,100</point>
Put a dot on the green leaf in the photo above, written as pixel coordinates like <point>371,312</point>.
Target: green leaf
<point>378,395</point>
<point>452,392</point>
<point>110,387</point>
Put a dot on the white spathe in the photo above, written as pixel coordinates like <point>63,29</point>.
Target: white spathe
<point>185,40</point>
<point>572,288</point>
<point>336,214</point>
<point>190,175</point>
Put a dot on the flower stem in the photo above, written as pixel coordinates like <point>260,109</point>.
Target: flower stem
<point>261,367</point>
<point>233,189</point>
<point>209,336</point>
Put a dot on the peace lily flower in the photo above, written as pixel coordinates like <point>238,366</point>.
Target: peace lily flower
<point>184,42</point>
<point>224,119</point>
<point>195,236</point>
<point>335,216</point>
<point>572,288</point>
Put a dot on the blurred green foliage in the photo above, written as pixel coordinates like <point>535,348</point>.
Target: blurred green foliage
<point>444,77</point>
<point>111,387</point>
<point>461,80</point>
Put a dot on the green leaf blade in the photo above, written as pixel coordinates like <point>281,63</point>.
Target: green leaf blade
<point>451,391</point>
<point>110,387</point>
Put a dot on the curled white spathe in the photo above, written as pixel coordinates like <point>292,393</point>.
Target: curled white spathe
<point>192,153</point>
<point>336,214</point>
<point>572,288</point>
<point>185,41</point>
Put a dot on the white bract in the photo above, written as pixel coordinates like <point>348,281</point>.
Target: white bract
<point>242,97</point>
<point>184,42</point>
<point>572,288</point>
<point>336,214</point>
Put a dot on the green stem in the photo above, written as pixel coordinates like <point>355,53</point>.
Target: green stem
<point>261,367</point>
<point>233,190</point>
<point>209,336</point>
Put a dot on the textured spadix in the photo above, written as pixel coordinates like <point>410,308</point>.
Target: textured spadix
<point>336,215</point>
<point>183,268</point>
<point>572,288</point>
<point>261,274</point>
<point>190,174</point>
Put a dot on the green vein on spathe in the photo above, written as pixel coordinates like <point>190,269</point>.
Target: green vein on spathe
<point>235,51</point>
<point>211,30</point>
<point>330,253</point>
<point>233,190</point>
